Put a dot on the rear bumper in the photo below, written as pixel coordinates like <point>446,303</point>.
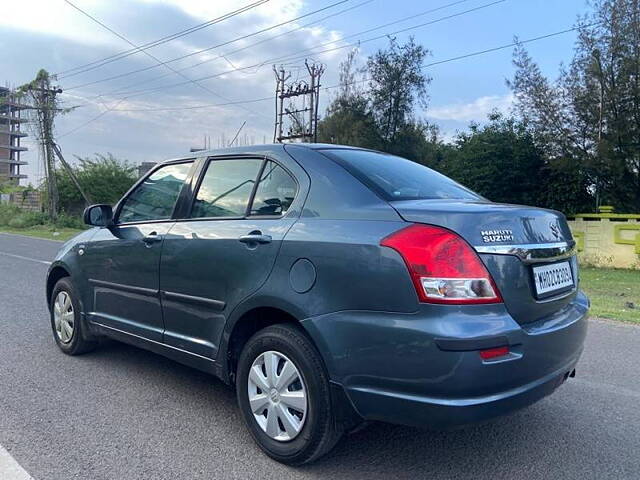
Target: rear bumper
<point>416,369</point>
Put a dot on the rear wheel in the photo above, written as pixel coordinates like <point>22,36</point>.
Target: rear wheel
<point>284,395</point>
<point>66,321</point>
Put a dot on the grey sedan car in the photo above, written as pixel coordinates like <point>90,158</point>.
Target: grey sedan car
<point>331,286</point>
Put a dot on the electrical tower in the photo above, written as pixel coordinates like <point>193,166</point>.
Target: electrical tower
<point>302,120</point>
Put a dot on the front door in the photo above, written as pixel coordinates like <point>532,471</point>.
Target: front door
<point>122,262</point>
<point>226,249</point>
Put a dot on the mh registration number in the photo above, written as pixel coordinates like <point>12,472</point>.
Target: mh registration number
<point>550,278</point>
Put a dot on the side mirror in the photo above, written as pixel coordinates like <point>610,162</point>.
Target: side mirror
<point>98,215</point>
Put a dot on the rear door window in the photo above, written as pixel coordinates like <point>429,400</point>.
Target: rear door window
<point>396,178</point>
<point>226,188</point>
<point>275,193</point>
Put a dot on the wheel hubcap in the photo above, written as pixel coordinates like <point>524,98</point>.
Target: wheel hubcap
<point>277,396</point>
<point>63,317</point>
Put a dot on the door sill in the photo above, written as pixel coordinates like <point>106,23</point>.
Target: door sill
<point>185,357</point>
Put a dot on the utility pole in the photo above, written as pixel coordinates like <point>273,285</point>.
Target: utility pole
<point>280,87</point>
<point>315,72</point>
<point>303,122</point>
<point>45,105</point>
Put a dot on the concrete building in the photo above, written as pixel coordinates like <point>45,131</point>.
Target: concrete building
<point>10,135</point>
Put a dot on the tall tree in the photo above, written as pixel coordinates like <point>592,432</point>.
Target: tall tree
<point>588,120</point>
<point>349,119</point>
<point>397,83</point>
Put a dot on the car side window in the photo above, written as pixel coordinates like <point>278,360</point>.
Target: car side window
<point>155,198</point>
<point>275,193</point>
<point>226,188</point>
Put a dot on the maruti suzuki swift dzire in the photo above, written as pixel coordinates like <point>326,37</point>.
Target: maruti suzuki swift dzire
<point>330,286</point>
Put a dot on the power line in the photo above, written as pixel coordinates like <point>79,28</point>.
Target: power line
<point>270,98</point>
<point>288,57</point>
<point>189,80</point>
<point>428,65</point>
<point>246,47</point>
<point>197,52</point>
<point>112,58</point>
<point>404,19</point>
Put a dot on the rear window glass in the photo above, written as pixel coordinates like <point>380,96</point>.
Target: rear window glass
<point>396,178</point>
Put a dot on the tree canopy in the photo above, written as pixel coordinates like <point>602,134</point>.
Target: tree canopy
<point>571,143</point>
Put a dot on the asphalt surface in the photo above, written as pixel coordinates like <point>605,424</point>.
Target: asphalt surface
<point>124,413</point>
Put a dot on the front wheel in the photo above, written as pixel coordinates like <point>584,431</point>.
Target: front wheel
<point>65,319</point>
<point>284,395</point>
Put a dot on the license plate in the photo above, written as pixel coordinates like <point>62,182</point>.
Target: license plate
<point>552,278</point>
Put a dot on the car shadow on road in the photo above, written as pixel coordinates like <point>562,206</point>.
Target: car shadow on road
<point>501,447</point>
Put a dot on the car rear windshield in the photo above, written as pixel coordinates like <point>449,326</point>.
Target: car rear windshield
<point>396,178</point>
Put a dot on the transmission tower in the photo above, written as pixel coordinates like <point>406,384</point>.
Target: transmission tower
<point>302,121</point>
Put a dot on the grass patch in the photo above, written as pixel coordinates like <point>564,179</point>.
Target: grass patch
<point>44,231</point>
<point>614,293</point>
<point>37,224</point>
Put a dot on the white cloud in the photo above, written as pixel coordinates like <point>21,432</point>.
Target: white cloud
<point>476,110</point>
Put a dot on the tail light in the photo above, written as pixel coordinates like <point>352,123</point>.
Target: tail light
<point>443,267</point>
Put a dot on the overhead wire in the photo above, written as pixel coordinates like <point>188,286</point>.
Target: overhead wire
<point>112,58</point>
<point>150,55</point>
<point>428,65</point>
<point>197,52</point>
<point>298,55</point>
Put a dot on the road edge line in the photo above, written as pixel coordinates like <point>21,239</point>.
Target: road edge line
<point>10,469</point>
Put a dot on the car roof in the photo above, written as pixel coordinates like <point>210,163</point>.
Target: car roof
<point>259,149</point>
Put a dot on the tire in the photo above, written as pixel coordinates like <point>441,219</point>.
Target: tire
<point>66,310</point>
<point>318,432</point>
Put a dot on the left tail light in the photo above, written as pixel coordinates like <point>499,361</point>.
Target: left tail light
<point>443,267</point>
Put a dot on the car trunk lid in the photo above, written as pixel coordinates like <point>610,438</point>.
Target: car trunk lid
<point>524,249</point>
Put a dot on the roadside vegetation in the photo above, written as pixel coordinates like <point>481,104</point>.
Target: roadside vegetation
<point>37,224</point>
<point>104,177</point>
<point>614,293</point>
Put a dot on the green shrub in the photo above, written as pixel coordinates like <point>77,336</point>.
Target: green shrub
<point>27,219</point>
<point>69,221</point>
<point>7,213</point>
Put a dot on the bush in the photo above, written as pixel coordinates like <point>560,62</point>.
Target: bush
<point>7,213</point>
<point>69,221</point>
<point>27,219</point>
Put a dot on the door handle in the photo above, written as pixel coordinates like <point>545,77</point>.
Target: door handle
<point>255,237</point>
<point>152,237</point>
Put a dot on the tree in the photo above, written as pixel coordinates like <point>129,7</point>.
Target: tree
<point>104,177</point>
<point>588,120</point>
<point>383,116</point>
<point>397,83</point>
<point>499,161</point>
<point>349,120</point>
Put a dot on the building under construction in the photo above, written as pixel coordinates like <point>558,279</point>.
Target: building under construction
<point>10,136</point>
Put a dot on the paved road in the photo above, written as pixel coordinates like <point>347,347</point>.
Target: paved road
<point>123,413</point>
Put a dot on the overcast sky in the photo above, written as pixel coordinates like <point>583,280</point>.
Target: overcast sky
<point>153,125</point>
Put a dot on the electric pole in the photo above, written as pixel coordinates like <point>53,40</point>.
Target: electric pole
<point>303,122</point>
<point>45,105</point>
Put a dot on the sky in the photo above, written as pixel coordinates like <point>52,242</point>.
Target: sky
<point>157,114</point>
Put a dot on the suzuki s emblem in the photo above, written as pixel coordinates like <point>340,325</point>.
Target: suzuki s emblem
<point>555,230</point>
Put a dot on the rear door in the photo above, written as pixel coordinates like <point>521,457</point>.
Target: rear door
<point>122,262</point>
<point>225,249</point>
